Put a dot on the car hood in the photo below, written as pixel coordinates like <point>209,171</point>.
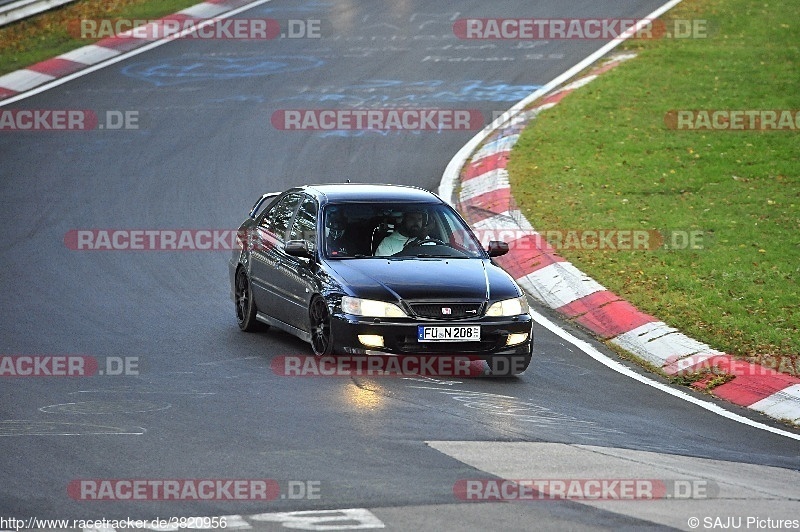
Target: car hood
<point>424,279</point>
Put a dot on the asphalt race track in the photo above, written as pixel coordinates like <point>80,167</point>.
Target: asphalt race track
<point>205,403</point>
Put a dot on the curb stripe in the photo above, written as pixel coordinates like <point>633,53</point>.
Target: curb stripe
<point>559,284</point>
<point>57,66</point>
<point>658,343</point>
<point>22,80</point>
<point>90,54</point>
<point>487,164</point>
<point>204,10</point>
<point>512,220</point>
<point>585,304</point>
<point>690,363</point>
<point>122,43</point>
<point>613,319</point>
<point>782,405</point>
<point>518,265</point>
<point>503,144</point>
<point>483,184</point>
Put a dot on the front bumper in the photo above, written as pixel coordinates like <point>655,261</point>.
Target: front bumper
<point>400,336</point>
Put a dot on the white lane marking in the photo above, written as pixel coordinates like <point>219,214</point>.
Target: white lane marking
<point>121,57</point>
<point>324,519</point>
<point>680,394</point>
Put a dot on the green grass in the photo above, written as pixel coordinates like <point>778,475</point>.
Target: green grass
<point>43,36</point>
<point>604,158</point>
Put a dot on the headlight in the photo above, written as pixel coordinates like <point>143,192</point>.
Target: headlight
<point>509,307</point>
<point>370,308</point>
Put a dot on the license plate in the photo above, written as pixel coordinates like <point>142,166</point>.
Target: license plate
<point>449,333</point>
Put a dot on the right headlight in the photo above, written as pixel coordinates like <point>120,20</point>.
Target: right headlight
<point>509,307</point>
<point>371,308</point>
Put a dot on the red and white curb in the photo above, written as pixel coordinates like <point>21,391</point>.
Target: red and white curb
<point>26,79</point>
<point>483,195</point>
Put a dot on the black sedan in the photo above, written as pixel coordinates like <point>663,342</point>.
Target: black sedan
<point>378,270</point>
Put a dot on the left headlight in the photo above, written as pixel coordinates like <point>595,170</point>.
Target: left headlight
<point>509,307</point>
<point>371,308</point>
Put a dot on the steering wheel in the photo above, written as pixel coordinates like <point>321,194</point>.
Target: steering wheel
<point>417,241</point>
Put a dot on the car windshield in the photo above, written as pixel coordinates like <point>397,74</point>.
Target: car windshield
<point>398,231</point>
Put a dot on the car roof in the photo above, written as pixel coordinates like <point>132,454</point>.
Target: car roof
<point>358,192</point>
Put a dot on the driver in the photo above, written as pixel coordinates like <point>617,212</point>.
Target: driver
<point>335,227</point>
<point>412,226</point>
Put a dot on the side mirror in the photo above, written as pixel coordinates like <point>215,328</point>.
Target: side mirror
<point>298,248</point>
<point>497,248</point>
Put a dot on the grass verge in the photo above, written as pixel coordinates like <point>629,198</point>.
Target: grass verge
<point>46,35</point>
<point>604,158</point>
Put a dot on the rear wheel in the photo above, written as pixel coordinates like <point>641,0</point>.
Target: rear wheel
<point>245,306</point>
<point>320,319</point>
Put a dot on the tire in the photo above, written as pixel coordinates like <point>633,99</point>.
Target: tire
<point>509,365</point>
<point>245,305</point>
<point>320,321</point>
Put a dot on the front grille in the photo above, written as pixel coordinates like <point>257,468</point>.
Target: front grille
<point>447,311</point>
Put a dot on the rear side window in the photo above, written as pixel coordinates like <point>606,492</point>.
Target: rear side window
<point>276,221</point>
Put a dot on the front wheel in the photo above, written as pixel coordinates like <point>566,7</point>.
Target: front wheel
<point>320,319</point>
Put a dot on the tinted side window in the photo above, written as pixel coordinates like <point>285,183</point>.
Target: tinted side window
<point>276,221</point>
<point>305,223</point>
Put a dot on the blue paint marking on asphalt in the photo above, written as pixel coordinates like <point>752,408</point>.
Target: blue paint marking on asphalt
<point>399,93</point>
<point>187,70</point>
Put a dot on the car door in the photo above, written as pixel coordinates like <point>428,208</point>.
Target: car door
<point>265,256</point>
<point>297,275</point>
